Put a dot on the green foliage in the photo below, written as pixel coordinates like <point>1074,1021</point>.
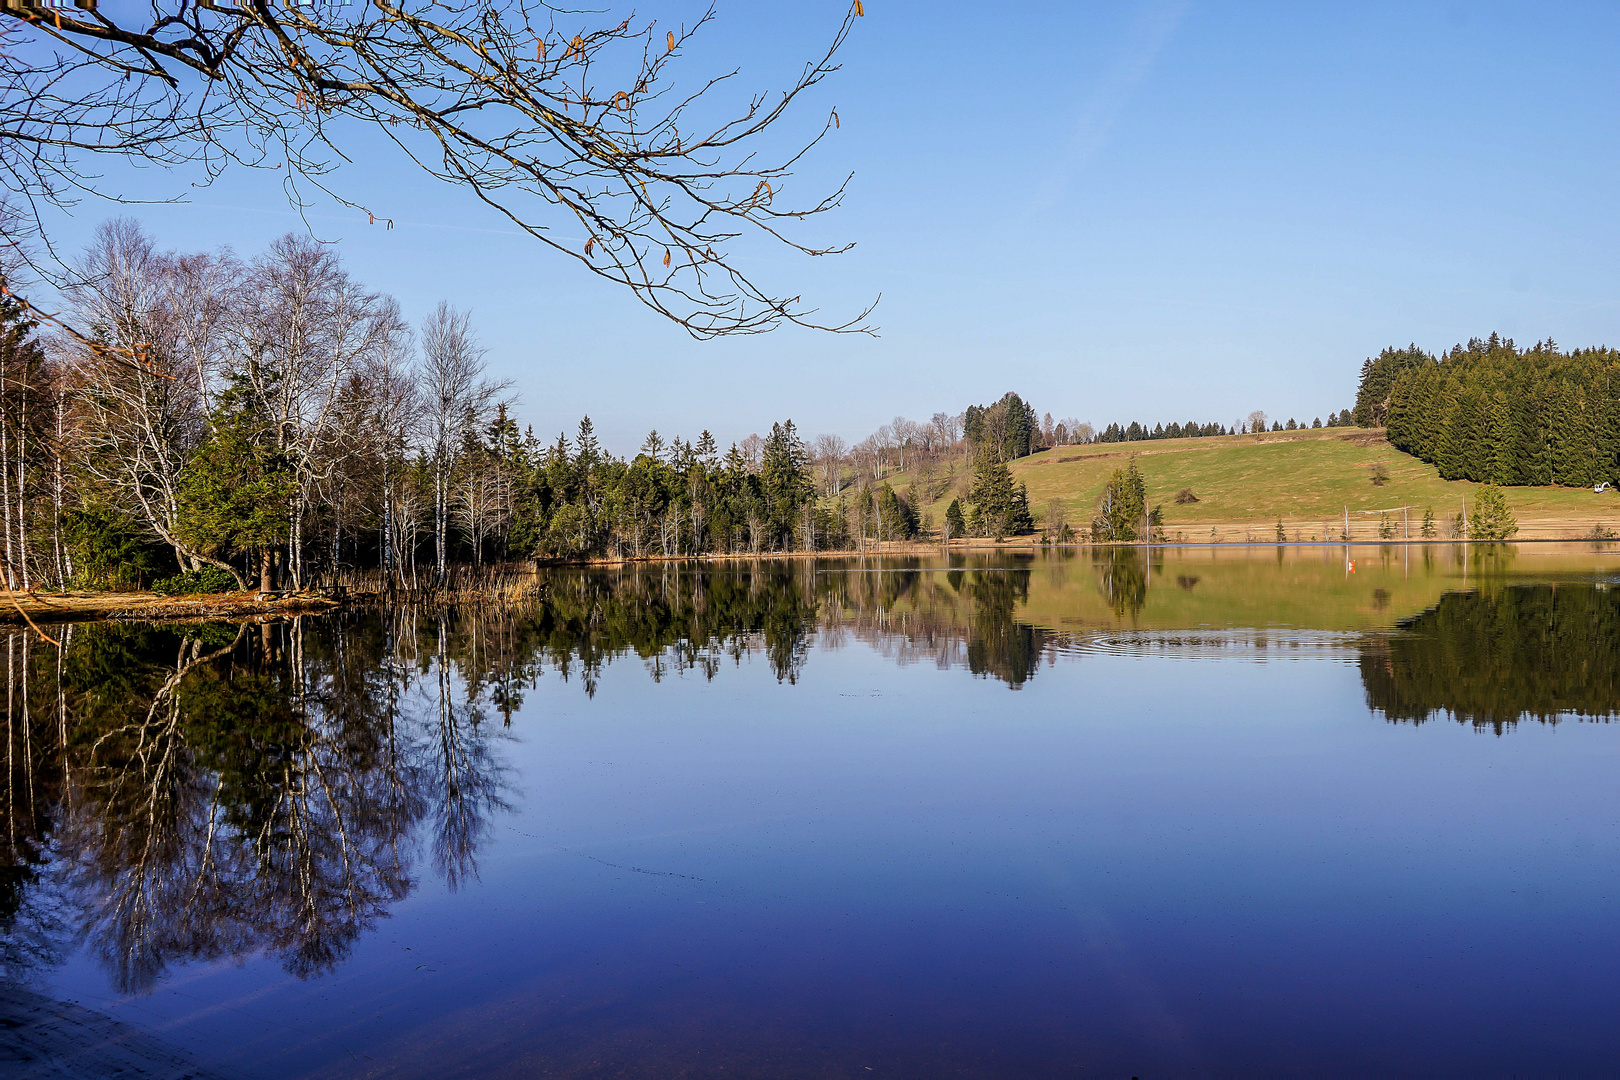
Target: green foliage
<point>1496,414</point>
<point>1122,512</point>
<point>999,507</point>
<point>210,579</point>
<point>1006,430</point>
<point>1491,518</point>
<point>1427,529</point>
<point>1378,377</point>
<point>895,515</point>
<point>955,524</point>
<point>106,547</point>
<point>236,490</point>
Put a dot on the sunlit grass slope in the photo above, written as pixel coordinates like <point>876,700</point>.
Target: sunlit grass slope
<point>1305,478</point>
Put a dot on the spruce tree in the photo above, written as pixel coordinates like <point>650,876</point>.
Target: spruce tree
<point>1491,518</point>
<point>236,491</point>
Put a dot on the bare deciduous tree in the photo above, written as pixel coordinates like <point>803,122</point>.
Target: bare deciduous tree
<point>304,329</point>
<point>829,455</point>
<point>456,398</point>
<point>138,425</point>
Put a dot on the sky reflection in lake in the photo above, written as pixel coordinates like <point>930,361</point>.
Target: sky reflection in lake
<point>1207,811</point>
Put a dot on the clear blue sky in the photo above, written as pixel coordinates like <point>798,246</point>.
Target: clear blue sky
<point>1154,211</point>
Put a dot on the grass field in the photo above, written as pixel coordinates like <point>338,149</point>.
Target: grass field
<point>1307,479</point>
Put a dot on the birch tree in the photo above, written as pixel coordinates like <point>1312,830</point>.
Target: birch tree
<point>456,400</point>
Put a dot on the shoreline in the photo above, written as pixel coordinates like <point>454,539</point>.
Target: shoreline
<point>77,605</point>
<point>80,605</point>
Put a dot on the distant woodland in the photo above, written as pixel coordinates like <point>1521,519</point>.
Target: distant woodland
<point>1494,413</point>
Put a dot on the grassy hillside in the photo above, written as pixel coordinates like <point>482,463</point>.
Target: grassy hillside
<point>1244,484</point>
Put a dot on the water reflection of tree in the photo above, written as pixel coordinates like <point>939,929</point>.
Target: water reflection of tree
<point>177,793</point>
<point>209,791</point>
<point>962,618</point>
<point>1493,658</point>
<point>1124,575</point>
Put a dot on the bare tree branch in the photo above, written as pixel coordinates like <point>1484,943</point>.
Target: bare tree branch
<point>583,137</point>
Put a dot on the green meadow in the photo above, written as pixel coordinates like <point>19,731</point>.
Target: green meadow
<point>1307,479</point>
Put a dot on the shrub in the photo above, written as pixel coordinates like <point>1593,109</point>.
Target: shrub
<point>210,579</point>
<point>1185,496</point>
<point>1380,474</point>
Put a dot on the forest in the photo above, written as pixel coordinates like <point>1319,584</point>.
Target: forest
<point>1494,413</point>
<point>203,422</point>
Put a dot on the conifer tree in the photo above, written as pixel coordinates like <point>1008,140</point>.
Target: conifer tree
<point>236,490</point>
<point>1491,518</point>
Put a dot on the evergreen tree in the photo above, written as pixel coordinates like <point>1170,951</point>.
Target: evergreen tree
<point>236,491</point>
<point>1122,510</point>
<point>785,477</point>
<point>955,526</point>
<point>1491,518</point>
<point>999,508</point>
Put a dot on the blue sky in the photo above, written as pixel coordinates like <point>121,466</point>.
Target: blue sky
<point>1153,211</point>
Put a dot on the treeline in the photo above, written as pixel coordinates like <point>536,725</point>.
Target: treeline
<point>272,421</point>
<point>1138,432</point>
<point>1494,413</point>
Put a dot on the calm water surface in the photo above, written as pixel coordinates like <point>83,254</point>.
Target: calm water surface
<point>1194,811</point>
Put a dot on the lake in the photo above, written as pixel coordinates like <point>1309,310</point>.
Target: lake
<point>1081,812</point>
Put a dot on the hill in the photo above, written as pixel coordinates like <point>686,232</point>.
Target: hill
<point>1308,479</point>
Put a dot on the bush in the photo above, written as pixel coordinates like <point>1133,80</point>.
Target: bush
<point>210,579</point>
<point>1185,496</point>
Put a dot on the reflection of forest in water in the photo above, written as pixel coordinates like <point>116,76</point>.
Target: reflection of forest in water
<point>179,793</point>
<point>193,792</point>
<point>185,792</point>
<point>1494,657</point>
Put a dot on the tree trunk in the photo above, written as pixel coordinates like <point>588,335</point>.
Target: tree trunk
<point>5,486</point>
<point>266,577</point>
<point>56,521</point>
<point>22,477</point>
